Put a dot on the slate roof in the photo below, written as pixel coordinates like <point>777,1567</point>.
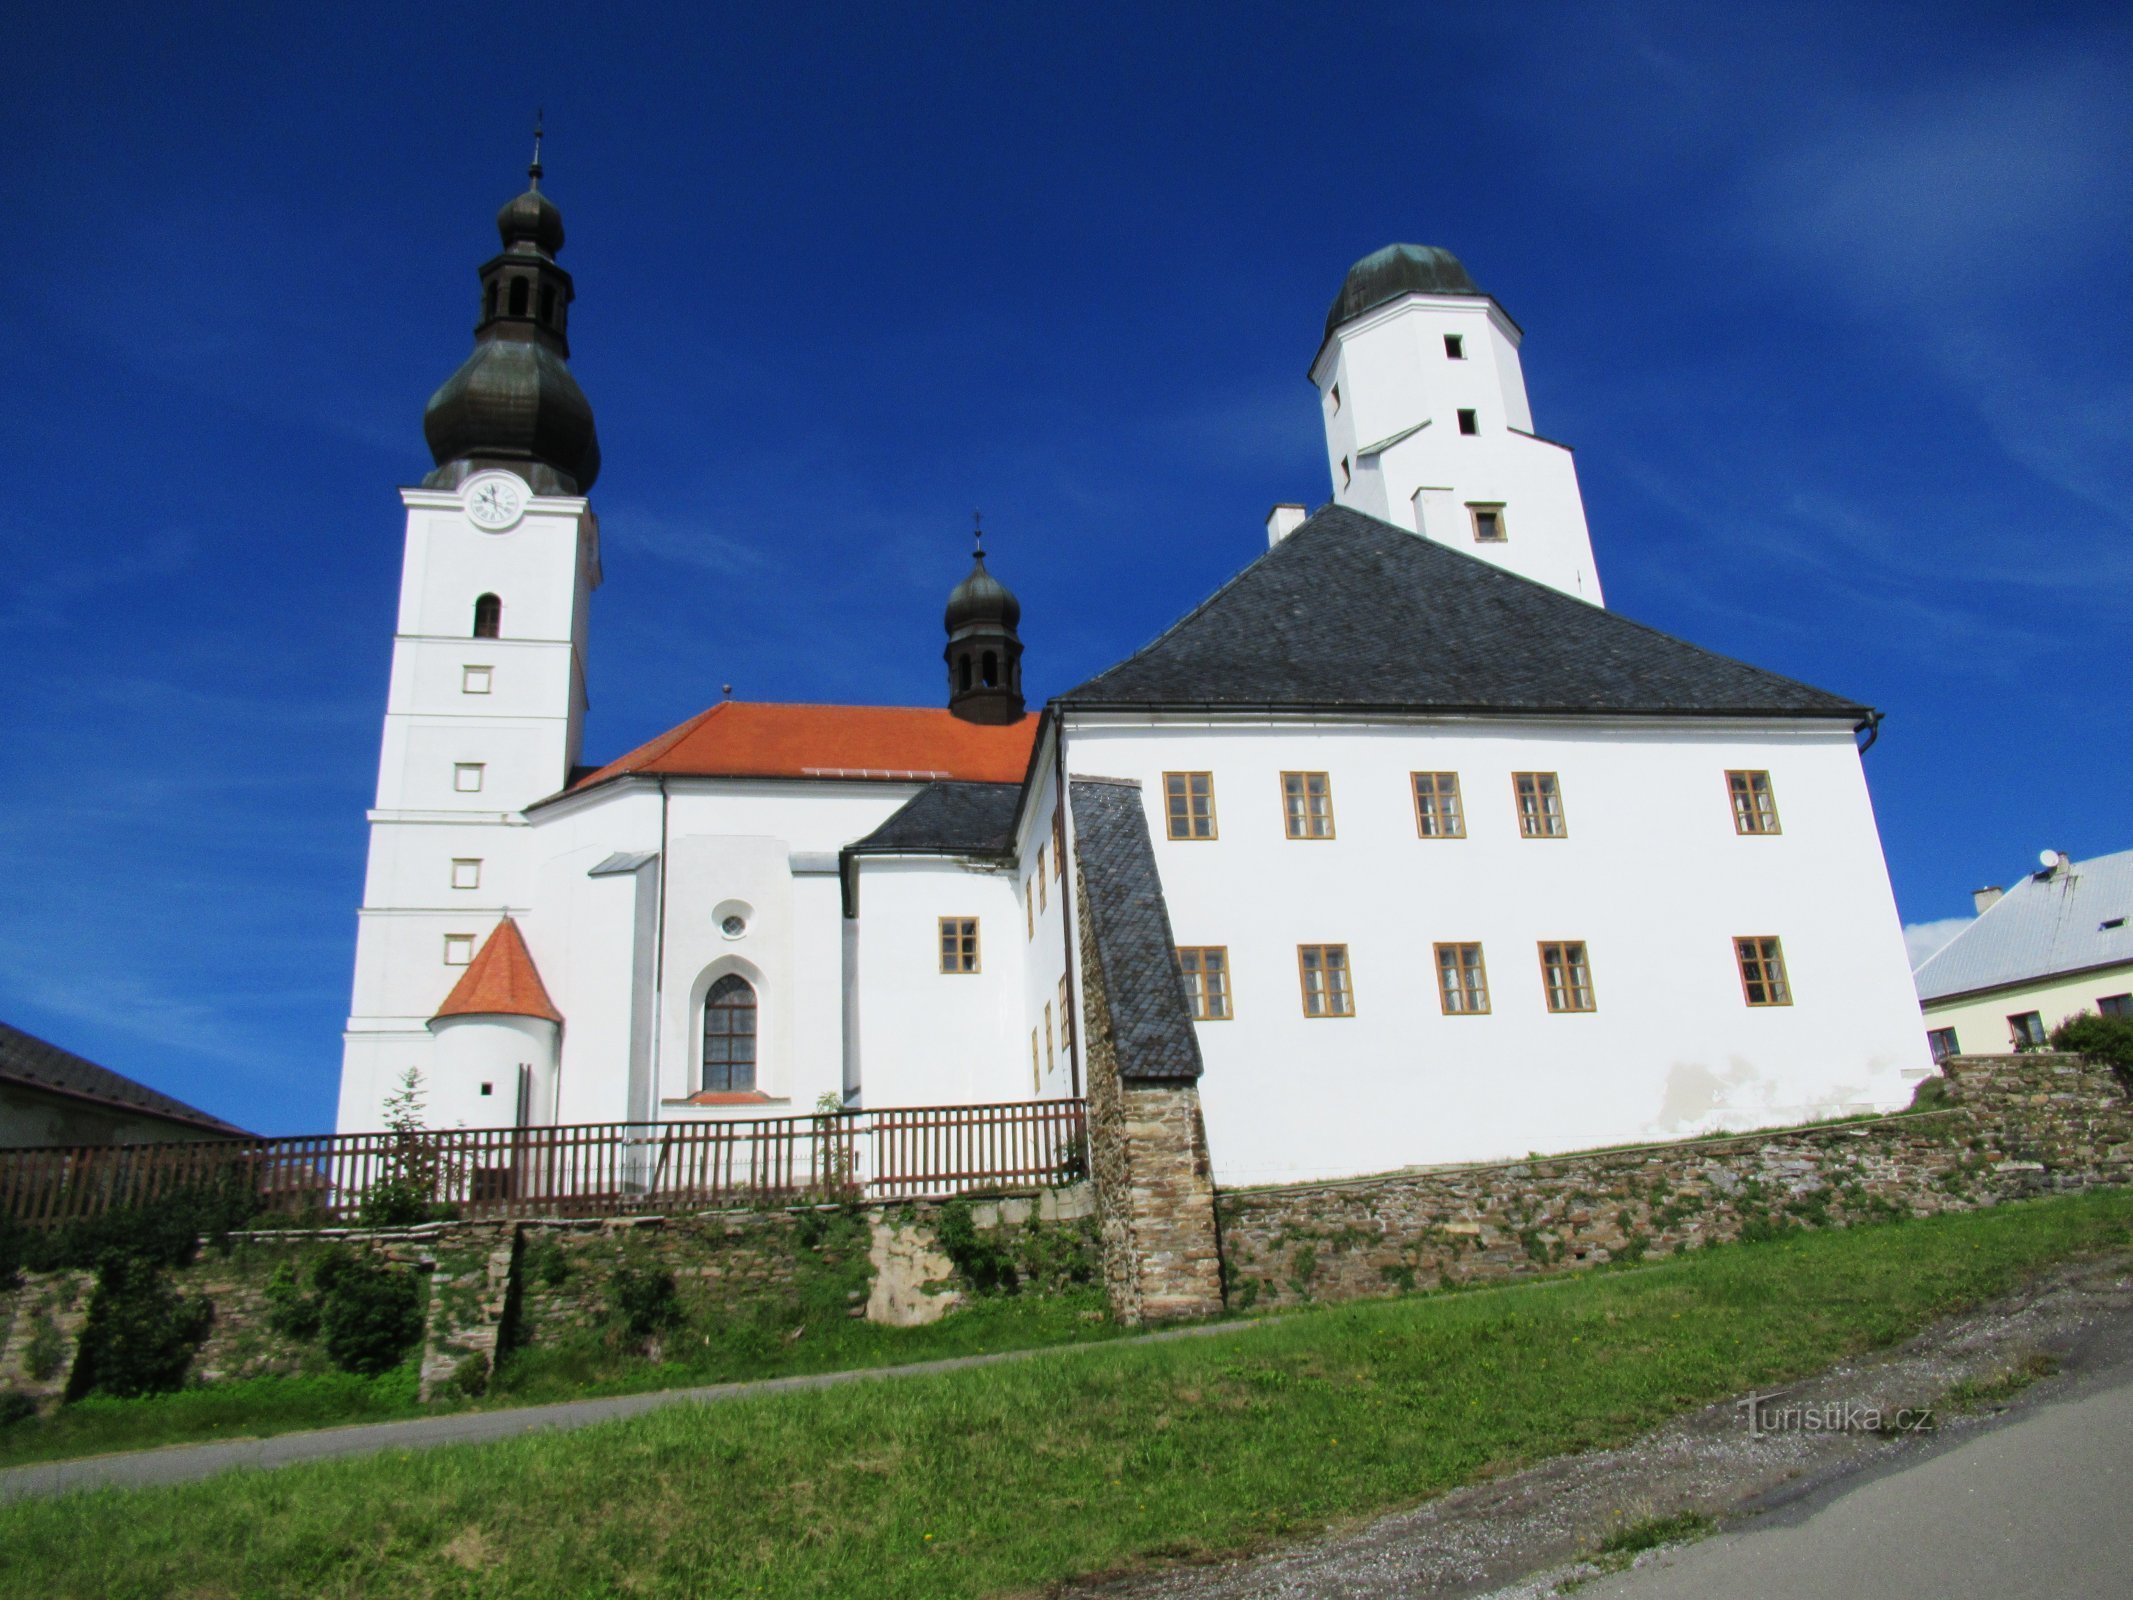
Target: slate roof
<point>1350,613</point>
<point>2046,925</point>
<point>948,819</point>
<point>501,981</point>
<point>1151,1024</point>
<point>745,739</point>
<point>37,1064</point>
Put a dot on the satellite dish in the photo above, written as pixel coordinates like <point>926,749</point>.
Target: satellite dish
<point>2048,858</point>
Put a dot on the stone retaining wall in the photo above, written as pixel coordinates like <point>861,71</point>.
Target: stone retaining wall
<point>2013,1126</point>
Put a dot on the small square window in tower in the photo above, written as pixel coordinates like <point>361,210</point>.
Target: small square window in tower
<point>475,680</point>
<point>466,873</point>
<point>1469,422</point>
<point>1455,347</point>
<point>467,776</point>
<point>458,949</point>
<point>1488,524</point>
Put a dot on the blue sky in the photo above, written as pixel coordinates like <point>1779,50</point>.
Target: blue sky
<point>1829,298</point>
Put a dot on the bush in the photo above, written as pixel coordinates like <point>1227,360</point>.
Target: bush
<point>290,1312</point>
<point>369,1315</point>
<point>1046,1256</point>
<point>643,1302</point>
<point>46,1352</point>
<point>2108,1040</point>
<point>140,1334</point>
<point>15,1407</point>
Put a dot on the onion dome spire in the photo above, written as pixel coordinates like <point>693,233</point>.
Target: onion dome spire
<point>513,402</point>
<point>984,651</point>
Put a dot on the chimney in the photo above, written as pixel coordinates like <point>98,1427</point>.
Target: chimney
<point>1282,521</point>
<point>1986,898</point>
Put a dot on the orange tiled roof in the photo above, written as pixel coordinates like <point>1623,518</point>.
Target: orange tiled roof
<point>745,739</point>
<point>501,981</point>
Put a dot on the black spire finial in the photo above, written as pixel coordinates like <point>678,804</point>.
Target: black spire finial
<point>533,172</point>
<point>977,534</point>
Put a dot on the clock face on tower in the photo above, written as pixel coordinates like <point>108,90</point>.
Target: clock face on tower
<point>495,501</point>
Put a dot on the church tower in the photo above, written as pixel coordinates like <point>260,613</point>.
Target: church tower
<point>1427,423</point>
<point>487,698</point>
<point>984,651</point>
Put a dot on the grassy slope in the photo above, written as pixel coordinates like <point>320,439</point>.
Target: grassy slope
<point>259,1407</point>
<point>1006,1477</point>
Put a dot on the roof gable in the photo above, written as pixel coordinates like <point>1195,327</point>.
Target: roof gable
<point>37,1064</point>
<point>501,981</point>
<point>902,744</point>
<point>1352,613</point>
<point>2049,923</point>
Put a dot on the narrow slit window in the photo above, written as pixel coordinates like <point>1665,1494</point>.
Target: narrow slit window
<point>1044,900</point>
<point>959,944</point>
<point>519,292</point>
<point>1469,422</point>
<point>1346,476</point>
<point>488,617</point>
<point>1307,805</point>
<point>1566,975</point>
<point>1437,811</point>
<point>1029,906</point>
<point>1328,989</point>
<point>1333,400</point>
<point>1059,844</point>
<point>1036,1072</point>
<point>1066,1017</point>
<point>1762,971</point>
<point>1462,980</point>
<point>1189,804</point>
<point>1754,802</point>
<point>1489,527</point>
<point>1048,1058</point>
<point>1455,347</point>
<point>1205,969</point>
<point>1540,805</point>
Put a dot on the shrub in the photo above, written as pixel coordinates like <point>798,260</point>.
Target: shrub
<point>290,1312</point>
<point>2108,1040</point>
<point>369,1315</point>
<point>643,1301</point>
<point>45,1352</point>
<point>470,1375</point>
<point>140,1334</point>
<point>15,1407</point>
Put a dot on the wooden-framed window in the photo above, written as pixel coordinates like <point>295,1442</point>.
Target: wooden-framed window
<point>1066,1016</point>
<point>1048,1057</point>
<point>1189,804</point>
<point>488,617</point>
<point>1036,1076</point>
<point>1029,906</point>
<point>1762,971</point>
<point>1059,843</point>
<point>1307,805</point>
<point>1205,969</point>
<point>1438,814</point>
<point>1540,805</point>
<point>1489,526</point>
<point>2026,1031</point>
<point>2115,1005</point>
<point>1462,980</point>
<point>1566,975</point>
<point>729,1036</point>
<point>1755,808</point>
<point>1044,898</point>
<point>1328,986</point>
<point>959,944</point>
<point>1941,1041</point>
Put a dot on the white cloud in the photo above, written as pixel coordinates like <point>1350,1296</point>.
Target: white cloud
<point>1922,939</point>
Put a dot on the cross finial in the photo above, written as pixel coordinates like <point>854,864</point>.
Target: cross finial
<point>977,533</point>
<point>534,172</point>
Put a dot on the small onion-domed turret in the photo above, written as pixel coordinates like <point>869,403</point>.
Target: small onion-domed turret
<point>513,403</point>
<point>984,651</point>
<point>1399,269</point>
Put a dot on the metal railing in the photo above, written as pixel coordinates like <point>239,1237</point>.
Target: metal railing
<point>590,1169</point>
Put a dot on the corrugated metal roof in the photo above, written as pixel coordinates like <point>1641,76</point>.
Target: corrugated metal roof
<point>2049,923</point>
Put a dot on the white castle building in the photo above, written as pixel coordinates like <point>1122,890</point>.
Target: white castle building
<point>1457,863</point>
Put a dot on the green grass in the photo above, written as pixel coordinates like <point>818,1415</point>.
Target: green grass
<point>1996,1389</point>
<point>1009,1477</point>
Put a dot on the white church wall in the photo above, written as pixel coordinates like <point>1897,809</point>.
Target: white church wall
<point>476,1067</point>
<point>933,1038</point>
<point>1044,893</point>
<point>1651,877</point>
<point>1393,374</point>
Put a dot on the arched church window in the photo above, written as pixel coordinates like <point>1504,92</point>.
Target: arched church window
<point>962,672</point>
<point>488,617</point>
<point>992,670</point>
<point>548,304</point>
<point>518,297</point>
<point>729,1036</point>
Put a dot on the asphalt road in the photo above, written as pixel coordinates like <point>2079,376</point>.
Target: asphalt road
<point>2034,1507</point>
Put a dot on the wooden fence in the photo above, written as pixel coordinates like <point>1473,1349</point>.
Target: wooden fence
<point>593,1169</point>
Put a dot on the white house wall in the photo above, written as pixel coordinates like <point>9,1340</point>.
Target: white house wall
<point>1045,950</point>
<point>1652,877</point>
<point>1980,1020</point>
